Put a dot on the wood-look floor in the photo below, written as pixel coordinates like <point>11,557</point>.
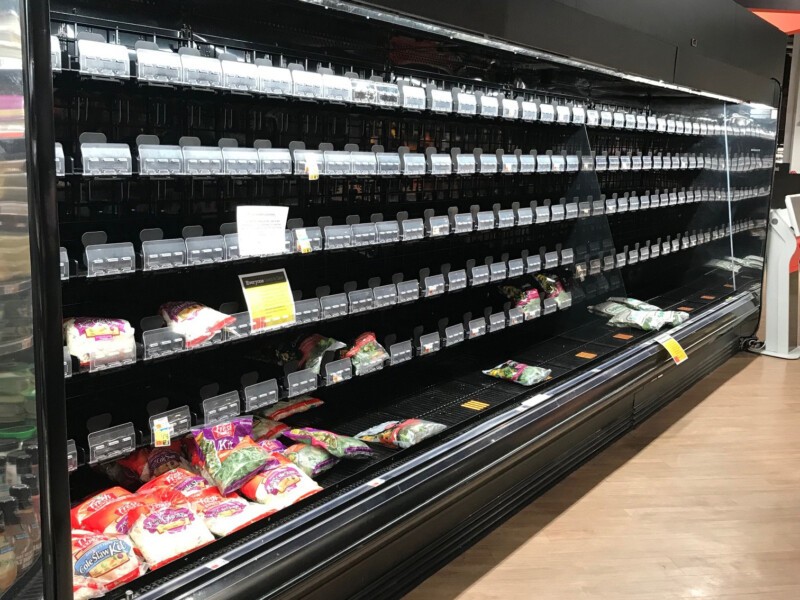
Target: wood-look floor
<point>701,501</point>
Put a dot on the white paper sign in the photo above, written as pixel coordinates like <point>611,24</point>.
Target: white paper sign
<point>262,229</point>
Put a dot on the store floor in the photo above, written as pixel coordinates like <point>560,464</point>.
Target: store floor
<point>701,501</point>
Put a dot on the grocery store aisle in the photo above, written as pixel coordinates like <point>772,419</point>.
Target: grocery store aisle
<point>701,501</point>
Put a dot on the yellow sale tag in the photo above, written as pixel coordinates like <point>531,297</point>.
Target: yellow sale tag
<point>269,299</point>
<point>672,346</point>
<point>161,435</point>
<point>312,169</point>
<point>475,405</point>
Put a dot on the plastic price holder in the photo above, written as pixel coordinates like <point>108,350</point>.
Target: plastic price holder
<point>441,165</point>
<point>673,199</point>
<point>487,164</point>
<point>476,328</point>
<point>363,164</point>
<point>592,118</point>
<point>549,306</point>
<point>110,259</point>
<point>647,162</point>
<point>551,260</point>
<point>200,71</point>
<point>164,254</point>
<point>619,120</point>
<point>509,108</point>
<point>675,162</point>
<point>161,342</point>
<point>361,300</point>
<point>306,84</point>
<point>515,316</point>
<point>456,280</point>
<point>684,243</point>
<point>440,101</point>
<point>240,328</point>
<point>412,97</point>
<point>544,163</point>
<point>637,203</point>
<point>516,267</point>
<point>611,206</point>
<point>625,163</point>
<point>334,305</point>
<point>55,54</point>
<point>573,164</point>
<point>527,163</point>
<point>67,363</point>
<point>505,218</point>
<point>221,408</point>
<point>100,59</point>
<point>663,200</point>
<point>239,76</point>
<point>595,266</point>
<point>259,395</point>
<point>274,161</point>
<point>670,126</point>
<point>706,237</point>
<point>338,236</point>
<point>489,106</point>
<point>178,422</point>
<point>601,162</point>
<point>497,322</point>
<point>309,163</point>
<point>453,335</point>
<point>679,126</point>
<point>72,456</point>
<point>407,291</point>
<point>300,382</point>
<point>703,128</point>
<point>567,256</point>
<point>307,311</point>
<point>606,118</point>
<point>613,163</point>
<point>110,443</point>
<point>205,249</point>
<point>644,253</point>
<point>542,214</point>
<point>439,226</point>
<point>641,122</point>
<point>633,257</point>
<point>630,121</point>
<point>693,240</point>
<point>498,271</point>
<point>388,232</point>
<point>533,264</point>
<point>572,210</point>
<point>156,160</point>
<point>559,163</point>
<point>636,162</point>
<point>412,229</point>
<point>666,248</point>
<point>578,115</point>
<point>661,124</point>
<point>655,251</point>
<point>524,216</point>
<point>714,163</point>
<point>480,275</point>
<point>622,204</point>
<point>598,207</point>
<point>388,163</point>
<point>364,91</point>
<point>563,114</point>
<point>106,160</point>
<point>61,163</point>
<point>338,371</point>
<point>547,113</point>
<point>485,220</point>
<point>684,162</point>
<point>312,234</point>
<point>400,352</point>
<point>608,263</point>
<point>202,160</point>
<point>681,197</point>
<point>336,88</point>
<point>363,234</point>
<point>528,111</point>
<point>239,162</point>
<point>275,81</point>
<point>465,103</point>
<point>337,163</point>
<point>584,209</point>
<point>509,164</point>
<point>434,285</point>
<point>387,94</point>
<point>63,263</point>
<point>567,302</point>
<point>651,123</point>
<point>621,260</point>
<point>414,165</point>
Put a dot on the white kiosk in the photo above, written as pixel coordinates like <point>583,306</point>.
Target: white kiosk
<point>783,263</point>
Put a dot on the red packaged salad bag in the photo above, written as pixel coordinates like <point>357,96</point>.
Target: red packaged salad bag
<point>113,519</point>
<point>147,463</point>
<point>166,528</point>
<point>267,429</point>
<point>280,486</point>
<point>91,505</point>
<point>101,563</point>
<point>180,480</point>
<point>287,408</point>
<point>196,322</point>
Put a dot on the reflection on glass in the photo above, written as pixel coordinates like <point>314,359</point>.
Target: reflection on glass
<point>20,533</point>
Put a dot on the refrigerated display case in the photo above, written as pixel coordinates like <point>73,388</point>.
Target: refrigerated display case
<point>340,219</point>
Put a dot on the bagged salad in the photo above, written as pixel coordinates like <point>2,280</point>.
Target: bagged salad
<point>340,446</point>
<point>280,486</point>
<point>401,434</point>
<point>228,456</point>
<point>366,353</point>
<point>293,406</point>
<point>225,514</point>
<point>196,322</point>
<point>519,373</point>
<point>313,349</point>
<point>312,460</point>
<point>91,505</point>
<point>267,429</point>
<point>147,463</point>
<point>553,288</point>
<point>101,563</point>
<point>526,298</point>
<point>86,336</point>
<point>629,312</point>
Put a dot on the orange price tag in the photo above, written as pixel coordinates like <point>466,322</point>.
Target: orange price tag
<point>623,336</point>
<point>586,355</point>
